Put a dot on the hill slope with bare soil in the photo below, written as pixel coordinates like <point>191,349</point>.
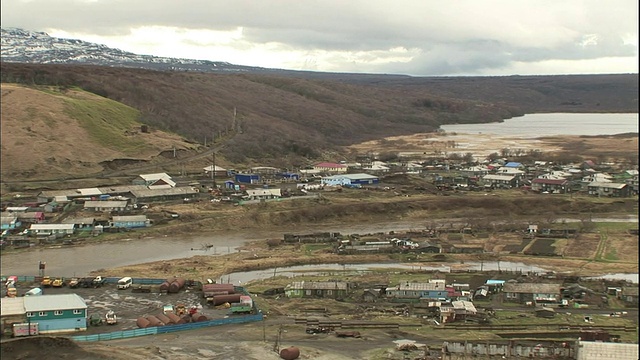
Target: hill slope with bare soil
<point>47,133</point>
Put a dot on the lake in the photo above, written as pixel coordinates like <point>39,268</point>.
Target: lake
<point>538,125</point>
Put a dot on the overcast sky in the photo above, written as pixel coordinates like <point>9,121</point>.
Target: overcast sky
<point>415,37</point>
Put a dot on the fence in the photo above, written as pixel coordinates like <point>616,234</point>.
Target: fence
<point>166,329</point>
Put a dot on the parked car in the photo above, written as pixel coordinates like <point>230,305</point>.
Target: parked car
<point>57,282</point>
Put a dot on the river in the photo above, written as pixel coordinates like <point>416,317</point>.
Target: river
<point>80,260</point>
<point>537,125</point>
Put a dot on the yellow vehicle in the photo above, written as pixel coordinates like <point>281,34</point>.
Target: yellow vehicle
<point>46,281</point>
<point>58,282</point>
<point>12,292</point>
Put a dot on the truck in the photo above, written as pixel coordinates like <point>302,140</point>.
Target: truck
<point>241,309</point>
<point>24,329</point>
<point>111,318</point>
<point>46,281</point>
<point>98,281</point>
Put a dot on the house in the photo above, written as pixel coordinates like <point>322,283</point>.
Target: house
<point>70,195</point>
<point>31,217</point>
<point>176,193</point>
<point>332,168</point>
<point>458,310</point>
<point>264,170</point>
<point>106,205</point>
<point>263,194</point>
<point>494,286</point>
<point>513,164</point>
<point>219,171</point>
<point>155,181</point>
<point>597,177</point>
<point>377,167</point>
<point>531,293</point>
<point>56,313</point>
<point>500,181</point>
<point>629,295</point>
<point>554,186</point>
<point>247,178</point>
<point>371,295</point>
<point>608,189</point>
<point>288,176</point>
<point>322,289</point>
<point>407,290</point>
<point>81,224</point>
<point>479,170</point>
<point>130,221</point>
<point>51,229</point>
<point>350,180</point>
<point>11,311</point>
<point>9,221</point>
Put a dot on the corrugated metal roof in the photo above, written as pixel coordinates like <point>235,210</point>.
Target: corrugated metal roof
<point>498,177</point>
<point>432,286</point>
<point>130,218</point>
<point>80,221</point>
<point>318,285</point>
<point>105,204</point>
<point>156,176</point>
<point>532,288</point>
<point>89,191</point>
<point>12,306</point>
<point>51,226</point>
<point>184,190</point>
<point>607,185</point>
<point>54,302</point>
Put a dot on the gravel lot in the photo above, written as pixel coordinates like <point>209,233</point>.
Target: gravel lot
<point>128,305</point>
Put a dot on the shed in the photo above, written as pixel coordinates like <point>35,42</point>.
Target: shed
<point>57,313</point>
<point>545,312</point>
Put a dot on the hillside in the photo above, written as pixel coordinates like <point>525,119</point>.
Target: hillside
<point>280,120</point>
<point>54,133</point>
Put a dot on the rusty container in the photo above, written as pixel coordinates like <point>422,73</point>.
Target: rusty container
<point>142,323</point>
<point>165,319</point>
<point>176,285</point>
<point>221,299</point>
<point>175,319</point>
<point>164,287</point>
<point>218,287</point>
<point>186,318</point>
<point>197,317</point>
<point>290,353</point>
<point>154,321</point>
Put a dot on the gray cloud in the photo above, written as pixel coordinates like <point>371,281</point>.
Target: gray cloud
<point>465,36</point>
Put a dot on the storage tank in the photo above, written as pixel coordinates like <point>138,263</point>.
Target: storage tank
<point>221,299</point>
<point>209,290</point>
<point>186,318</point>
<point>175,319</point>
<point>197,317</point>
<point>164,287</point>
<point>142,323</point>
<point>165,319</point>
<point>176,285</point>
<point>154,321</point>
<point>290,353</point>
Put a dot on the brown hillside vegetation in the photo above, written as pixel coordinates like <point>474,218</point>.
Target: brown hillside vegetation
<point>286,120</point>
<point>41,137</point>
